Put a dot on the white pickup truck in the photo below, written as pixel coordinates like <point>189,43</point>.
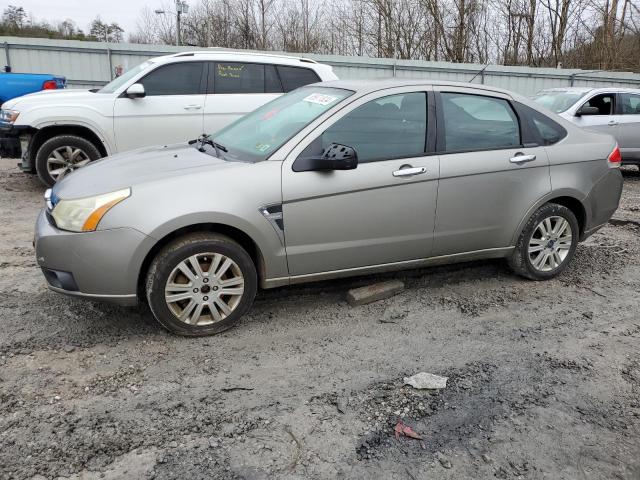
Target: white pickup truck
<point>164,100</point>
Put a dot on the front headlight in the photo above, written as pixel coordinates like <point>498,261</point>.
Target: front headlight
<point>9,116</point>
<point>84,214</point>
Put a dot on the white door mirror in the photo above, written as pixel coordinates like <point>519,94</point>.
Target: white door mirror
<point>135,91</point>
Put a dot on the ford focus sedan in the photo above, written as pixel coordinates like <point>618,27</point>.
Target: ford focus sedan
<point>330,180</point>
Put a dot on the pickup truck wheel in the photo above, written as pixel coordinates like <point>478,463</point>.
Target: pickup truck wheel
<point>201,284</point>
<point>547,243</point>
<point>61,155</point>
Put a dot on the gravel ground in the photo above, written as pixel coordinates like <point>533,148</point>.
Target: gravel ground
<point>544,378</point>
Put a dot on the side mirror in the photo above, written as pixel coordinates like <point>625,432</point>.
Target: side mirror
<point>135,91</point>
<point>584,110</point>
<point>336,157</point>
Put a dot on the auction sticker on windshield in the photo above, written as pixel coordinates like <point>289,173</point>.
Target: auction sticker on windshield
<point>320,99</point>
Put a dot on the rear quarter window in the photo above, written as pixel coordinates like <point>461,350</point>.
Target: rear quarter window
<point>295,77</point>
<point>546,129</point>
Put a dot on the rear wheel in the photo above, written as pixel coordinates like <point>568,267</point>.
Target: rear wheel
<point>60,155</point>
<point>201,284</point>
<point>547,243</point>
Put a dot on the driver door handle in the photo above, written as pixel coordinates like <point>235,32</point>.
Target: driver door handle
<point>192,107</point>
<point>522,158</point>
<point>409,172</point>
<point>612,123</point>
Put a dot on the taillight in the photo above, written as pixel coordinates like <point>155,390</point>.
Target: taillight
<point>615,158</point>
<point>50,85</point>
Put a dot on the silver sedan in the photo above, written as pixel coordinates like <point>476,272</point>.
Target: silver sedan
<point>331,180</point>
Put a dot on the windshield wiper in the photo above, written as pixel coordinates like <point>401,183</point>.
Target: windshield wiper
<point>207,140</point>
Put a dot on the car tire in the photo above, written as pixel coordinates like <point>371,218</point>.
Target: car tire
<point>214,311</point>
<point>67,153</point>
<point>528,258</point>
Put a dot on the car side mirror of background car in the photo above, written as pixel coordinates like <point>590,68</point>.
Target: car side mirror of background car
<point>135,91</point>
<point>585,110</point>
<point>335,157</point>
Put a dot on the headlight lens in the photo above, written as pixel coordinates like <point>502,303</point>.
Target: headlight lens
<point>84,214</point>
<point>9,116</point>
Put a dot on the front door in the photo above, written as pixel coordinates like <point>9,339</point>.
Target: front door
<point>606,120</point>
<point>382,211</point>
<point>171,111</point>
<point>629,136</point>
<point>488,179</point>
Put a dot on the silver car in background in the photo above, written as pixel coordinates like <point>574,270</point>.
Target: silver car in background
<point>615,111</point>
<point>330,180</point>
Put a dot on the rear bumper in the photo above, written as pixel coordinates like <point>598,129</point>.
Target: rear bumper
<point>101,265</point>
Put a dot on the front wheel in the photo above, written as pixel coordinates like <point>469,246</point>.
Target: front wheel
<point>201,284</point>
<point>63,154</point>
<point>547,243</point>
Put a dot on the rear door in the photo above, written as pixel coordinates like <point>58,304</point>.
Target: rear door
<point>237,88</point>
<point>379,213</point>
<point>171,111</point>
<point>629,118</point>
<point>489,177</point>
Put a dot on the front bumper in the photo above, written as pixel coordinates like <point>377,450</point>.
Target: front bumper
<point>103,265</point>
<point>14,143</point>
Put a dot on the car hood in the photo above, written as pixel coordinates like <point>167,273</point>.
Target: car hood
<point>51,97</point>
<point>132,168</point>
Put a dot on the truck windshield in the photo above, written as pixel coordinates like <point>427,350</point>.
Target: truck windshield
<point>254,137</point>
<point>558,100</point>
<point>116,83</point>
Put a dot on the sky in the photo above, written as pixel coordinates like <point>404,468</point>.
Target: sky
<point>123,12</point>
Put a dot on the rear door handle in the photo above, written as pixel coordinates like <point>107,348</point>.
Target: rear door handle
<point>612,123</point>
<point>522,158</point>
<point>409,171</point>
<point>192,107</point>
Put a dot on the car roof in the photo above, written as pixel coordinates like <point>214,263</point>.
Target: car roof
<point>230,55</point>
<point>367,86</point>
<point>591,89</point>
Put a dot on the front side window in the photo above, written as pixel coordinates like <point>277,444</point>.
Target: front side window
<point>182,78</point>
<point>604,103</point>
<point>630,104</point>
<point>476,122</point>
<point>254,137</point>
<point>295,77</point>
<point>389,127</point>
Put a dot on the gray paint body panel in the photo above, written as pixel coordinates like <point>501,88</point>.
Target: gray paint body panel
<point>340,223</point>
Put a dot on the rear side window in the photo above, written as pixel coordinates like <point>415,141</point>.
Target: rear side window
<point>294,77</point>
<point>389,127</point>
<point>175,79</point>
<point>548,131</point>
<point>629,104</point>
<point>476,122</point>
<point>234,77</point>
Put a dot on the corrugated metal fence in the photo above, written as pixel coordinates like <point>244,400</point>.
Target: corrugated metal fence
<point>92,64</point>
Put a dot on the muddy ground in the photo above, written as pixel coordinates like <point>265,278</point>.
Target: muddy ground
<point>544,378</point>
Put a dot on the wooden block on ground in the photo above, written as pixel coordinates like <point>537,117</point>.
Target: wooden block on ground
<point>373,293</point>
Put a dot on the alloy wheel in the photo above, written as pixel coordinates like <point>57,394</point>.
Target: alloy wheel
<point>204,289</point>
<point>550,243</point>
<point>64,160</point>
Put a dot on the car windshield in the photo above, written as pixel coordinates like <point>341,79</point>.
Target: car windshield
<point>254,137</point>
<point>558,100</point>
<point>116,83</point>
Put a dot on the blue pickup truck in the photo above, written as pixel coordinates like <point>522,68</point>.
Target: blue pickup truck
<point>14,85</point>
